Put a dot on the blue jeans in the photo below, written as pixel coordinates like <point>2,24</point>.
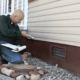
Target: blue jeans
<point>10,56</point>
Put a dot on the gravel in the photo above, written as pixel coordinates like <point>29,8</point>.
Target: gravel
<point>54,72</point>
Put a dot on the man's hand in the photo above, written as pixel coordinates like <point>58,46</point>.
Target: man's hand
<point>24,34</point>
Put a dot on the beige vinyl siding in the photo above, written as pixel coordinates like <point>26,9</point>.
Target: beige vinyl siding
<point>55,21</point>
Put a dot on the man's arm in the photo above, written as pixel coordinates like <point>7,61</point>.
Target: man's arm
<point>18,39</point>
<point>24,34</point>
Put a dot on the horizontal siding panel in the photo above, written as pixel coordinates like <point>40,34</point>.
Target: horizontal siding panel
<point>39,2</point>
<point>75,38</point>
<point>75,15</point>
<point>56,30</point>
<point>59,41</point>
<point>59,37</point>
<point>57,4</point>
<point>61,10</point>
<point>57,23</point>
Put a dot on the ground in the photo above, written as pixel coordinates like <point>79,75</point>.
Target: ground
<point>54,72</point>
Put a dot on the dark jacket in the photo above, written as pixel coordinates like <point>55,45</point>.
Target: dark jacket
<point>9,32</point>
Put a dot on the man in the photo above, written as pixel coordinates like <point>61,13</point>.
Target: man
<point>10,33</point>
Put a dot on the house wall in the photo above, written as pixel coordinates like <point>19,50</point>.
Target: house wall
<point>55,24</point>
<point>55,21</point>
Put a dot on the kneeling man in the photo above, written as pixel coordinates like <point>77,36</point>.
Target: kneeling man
<point>10,33</point>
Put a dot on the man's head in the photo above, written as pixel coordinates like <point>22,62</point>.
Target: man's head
<point>17,16</point>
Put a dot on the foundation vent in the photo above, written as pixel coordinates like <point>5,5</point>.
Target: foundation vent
<point>58,52</point>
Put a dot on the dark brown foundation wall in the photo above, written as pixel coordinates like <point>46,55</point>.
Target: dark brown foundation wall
<point>43,51</point>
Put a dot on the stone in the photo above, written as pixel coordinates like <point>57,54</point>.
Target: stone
<point>35,77</point>
<point>2,66</point>
<point>38,68</point>
<point>23,66</point>
<point>25,62</point>
<point>41,72</point>
<point>7,71</point>
<point>27,76</point>
<point>21,77</point>
<point>41,69</point>
<point>15,74</point>
<point>33,72</point>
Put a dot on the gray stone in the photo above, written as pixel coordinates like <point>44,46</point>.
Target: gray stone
<point>3,77</point>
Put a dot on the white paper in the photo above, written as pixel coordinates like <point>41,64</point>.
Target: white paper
<point>19,49</point>
<point>14,47</point>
